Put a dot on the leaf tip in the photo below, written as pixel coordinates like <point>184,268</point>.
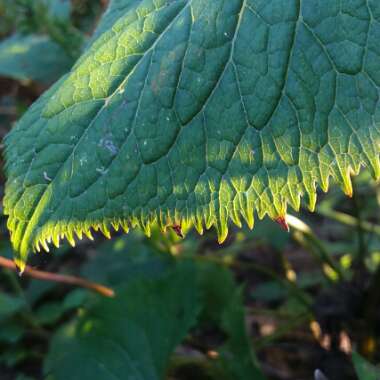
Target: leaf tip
<point>178,230</point>
<point>20,266</point>
<point>281,220</point>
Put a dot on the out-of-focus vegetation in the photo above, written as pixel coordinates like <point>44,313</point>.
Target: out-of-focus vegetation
<point>265,305</point>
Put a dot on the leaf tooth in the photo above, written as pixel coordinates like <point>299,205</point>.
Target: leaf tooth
<point>324,176</point>
<point>262,209</point>
<point>115,225</point>
<point>325,183</point>
<point>222,226</point>
<point>187,223</point>
<point>197,222</point>
<point>166,219</point>
<point>234,214</point>
<point>44,245</point>
<point>246,210</point>
<point>70,238</point>
<point>88,233</point>
<point>311,193</point>
<point>178,230</point>
<point>374,166</point>
<point>79,233</point>
<point>222,231</point>
<point>125,226</point>
<point>160,220</point>
<point>37,246</point>
<point>55,239</point>
<point>342,174</point>
<point>294,198</point>
<point>281,220</point>
<point>134,222</point>
<point>146,228</point>
<point>20,265</point>
<point>346,183</point>
<point>105,231</point>
<point>208,218</point>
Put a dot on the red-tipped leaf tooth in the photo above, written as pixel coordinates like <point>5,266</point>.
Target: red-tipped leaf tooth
<point>178,230</point>
<point>281,220</point>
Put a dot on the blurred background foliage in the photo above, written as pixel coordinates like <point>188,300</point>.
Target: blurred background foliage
<point>267,304</point>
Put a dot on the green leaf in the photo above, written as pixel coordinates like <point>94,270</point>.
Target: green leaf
<point>33,57</point>
<point>222,304</point>
<point>11,332</point>
<point>217,289</point>
<point>269,291</point>
<point>9,305</point>
<point>131,336</point>
<point>237,356</point>
<point>364,369</point>
<point>126,259</point>
<point>49,313</point>
<point>198,112</point>
<point>74,299</point>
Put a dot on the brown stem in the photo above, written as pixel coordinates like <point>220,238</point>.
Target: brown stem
<point>61,278</point>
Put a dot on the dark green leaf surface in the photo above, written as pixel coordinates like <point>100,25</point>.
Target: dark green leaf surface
<point>9,305</point>
<point>131,336</point>
<point>237,356</point>
<point>222,303</point>
<point>33,57</point>
<point>198,112</point>
<point>126,259</point>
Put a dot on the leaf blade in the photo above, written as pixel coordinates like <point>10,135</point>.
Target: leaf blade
<point>174,119</point>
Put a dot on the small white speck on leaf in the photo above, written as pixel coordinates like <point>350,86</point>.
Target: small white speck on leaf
<point>101,170</point>
<point>47,178</point>
<point>109,145</point>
